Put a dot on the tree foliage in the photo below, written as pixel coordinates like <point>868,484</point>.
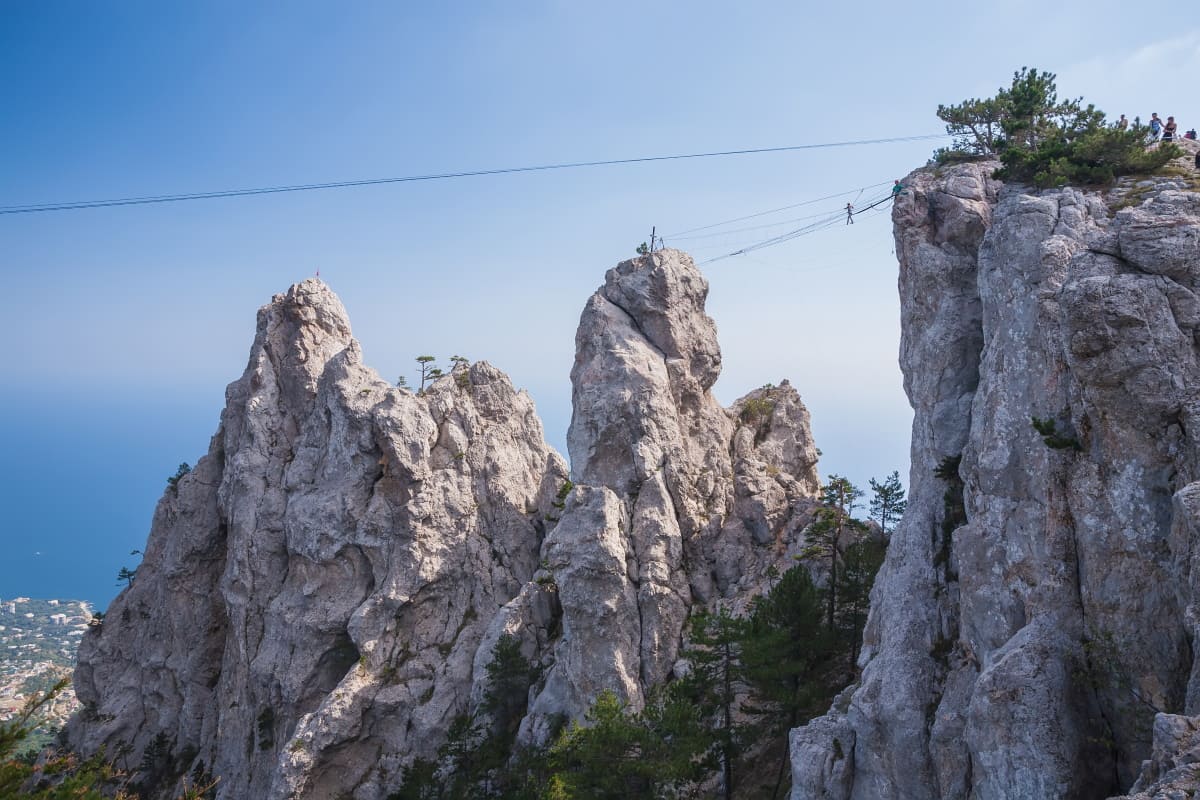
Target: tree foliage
<point>602,758</point>
<point>720,726</point>
<point>475,759</point>
<point>56,776</point>
<point>827,535</point>
<point>173,481</point>
<point>887,502</point>
<point>1046,141</point>
<point>716,679</point>
<point>788,652</point>
<point>861,562</point>
<point>428,371</point>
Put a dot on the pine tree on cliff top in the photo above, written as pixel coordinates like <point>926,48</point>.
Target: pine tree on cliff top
<point>1046,141</point>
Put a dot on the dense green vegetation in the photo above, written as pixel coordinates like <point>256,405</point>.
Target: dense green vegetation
<point>1042,140</point>
<point>720,729</point>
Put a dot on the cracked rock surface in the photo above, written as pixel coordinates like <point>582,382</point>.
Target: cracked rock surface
<point>679,502</point>
<point>311,600</point>
<point>320,597</point>
<point>1037,604</point>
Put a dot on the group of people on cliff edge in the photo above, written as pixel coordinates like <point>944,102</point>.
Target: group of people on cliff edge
<point>1160,131</point>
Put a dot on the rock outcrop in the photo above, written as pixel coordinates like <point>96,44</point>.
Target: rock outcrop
<point>679,501</point>
<point>321,596</point>
<point>313,594</point>
<point>1037,604</point>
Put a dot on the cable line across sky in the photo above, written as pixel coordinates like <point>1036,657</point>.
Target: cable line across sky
<point>826,221</point>
<point>34,208</point>
<point>681,234</point>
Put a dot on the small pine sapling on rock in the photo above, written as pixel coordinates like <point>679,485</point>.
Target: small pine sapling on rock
<point>429,372</point>
<point>173,481</point>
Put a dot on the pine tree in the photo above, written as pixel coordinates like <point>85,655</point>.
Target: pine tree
<point>860,564</point>
<point>418,781</point>
<point>887,502</point>
<point>478,748</point>
<point>827,534</point>
<point>601,759</point>
<point>504,704</point>
<point>429,372</point>
<point>55,775</point>
<point>715,680</point>
<point>173,481</point>
<point>787,651</point>
<point>462,759</point>
<point>1047,141</point>
<point>679,743</point>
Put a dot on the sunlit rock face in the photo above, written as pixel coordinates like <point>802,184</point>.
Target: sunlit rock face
<point>679,502</point>
<point>312,597</point>
<point>321,596</point>
<point>1037,604</point>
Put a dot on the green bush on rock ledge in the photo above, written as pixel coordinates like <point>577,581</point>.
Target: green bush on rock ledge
<point>1047,142</point>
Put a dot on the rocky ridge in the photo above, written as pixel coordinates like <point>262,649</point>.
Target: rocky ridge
<point>1033,626</point>
<point>321,595</point>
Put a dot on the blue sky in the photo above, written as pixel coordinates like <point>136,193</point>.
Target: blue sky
<point>126,323</point>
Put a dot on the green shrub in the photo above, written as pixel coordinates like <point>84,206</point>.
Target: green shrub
<point>173,481</point>
<point>1042,140</point>
<point>756,409</point>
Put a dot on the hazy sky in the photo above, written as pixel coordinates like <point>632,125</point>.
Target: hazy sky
<point>126,323</point>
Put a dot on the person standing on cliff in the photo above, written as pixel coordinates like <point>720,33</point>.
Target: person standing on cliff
<point>1169,130</point>
<point>1155,126</point>
<point>1122,123</point>
<point>849,213</point>
<point>897,189</point>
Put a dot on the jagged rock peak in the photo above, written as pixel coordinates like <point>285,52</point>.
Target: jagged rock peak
<point>1038,601</point>
<point>307,616</point>
<point>322,596</point>
<point>665,293</point>
<point>680,503</point>
<point>303,328</point>
<point>644,330</point>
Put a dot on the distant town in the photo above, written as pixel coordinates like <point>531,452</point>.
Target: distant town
<point>38,643</point>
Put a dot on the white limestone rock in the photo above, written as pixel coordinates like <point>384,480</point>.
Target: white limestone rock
<point>1020,650</point>
<point>311,602</point>
<point>323,594</point>
<point>678,503</point>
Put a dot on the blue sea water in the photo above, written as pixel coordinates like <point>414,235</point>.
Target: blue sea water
<point>80,474</point>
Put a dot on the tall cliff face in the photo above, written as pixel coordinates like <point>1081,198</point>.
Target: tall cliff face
<point>321,596</point>
<point>1037,604</point>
